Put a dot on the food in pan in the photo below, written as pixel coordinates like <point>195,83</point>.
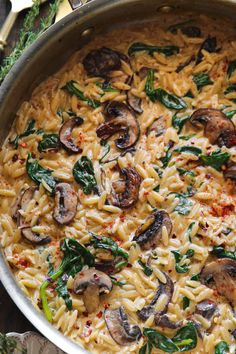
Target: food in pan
<point>118,190</point>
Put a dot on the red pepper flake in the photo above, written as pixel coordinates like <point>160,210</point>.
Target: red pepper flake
<point>129,265</point>
<point>15,158</point>
<point>88,323</point>
<point>122,217</point>
<point>99,314</point>
<point>22,161</point>
<point>23,262</point>
<point>145,193</point>
<point>106,305</point>
<point>85,313</point>
<point>24,145</point>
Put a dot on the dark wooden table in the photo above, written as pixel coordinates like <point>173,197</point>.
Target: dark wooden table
<point>11,319</point>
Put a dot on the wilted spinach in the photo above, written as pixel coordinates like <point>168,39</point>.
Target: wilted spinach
<point>173,28</point>
<point>195,277</point>
<point>222,348</point>
<point>49,142</point>
<point>220,252</point>
<point>187,137</point>
<point>230,88</point>
<point>146,348</point>
<point>146,268</point>
<point>189,149</point>
<point>186,302</point>
<point>201,80</point>
<point>165,159</point>
<point>39,174</point>
<point>230,114</point>
<point>231,67</point>
<point>30,129</point>
<point>106,86</point>
<point>107,149</point>
<point>71,88</point>
<point>179,122</point>
<point>216,159</point>
<point>83,173</point>
<point>75,256</point>
<point>50,265</point>
<point>184,172</point>
<point>167,50</point>
<point>179,258</point>
<point>188,232</point>
<point>184,206</point>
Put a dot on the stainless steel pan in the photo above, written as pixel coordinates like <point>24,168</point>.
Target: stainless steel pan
<point>44,57</point>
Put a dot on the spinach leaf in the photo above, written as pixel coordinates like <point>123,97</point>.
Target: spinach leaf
<point>222,348</point>
<point>64,115</point>
<point>220,252</point>
<point>231,67</point>
<point>49,142</point>
<point>189,149</point>
<point>71,88</point>
<point>173,28</point>
<point>195,277</point>
<point>230,88</point>
<point>83,173</point>
<point>106,86</point>
<point>146,268</point>
<point>184,172</point>
<point>146,348</point>
<point>39,174</point>
<point>186,302</point>
<point>30,129</point>
<point>201,80</point>
<point>107,147</point>
<point>187,137</point>
<point>160,341</point>
<point>63,292</point>
<point>75,256</point>
<point>167,99</point>
<point>184,206</point>
<point>157,188</point>
<point>186,337</point>
<point>179,258</point>
<point>216,159</point>
<point>165,159</point>
<point>188,232</point>
<point>167,50</point>
<point>179,122</point>
<point>230,114</point>
<point>116,282</point>
<point>50,265</point>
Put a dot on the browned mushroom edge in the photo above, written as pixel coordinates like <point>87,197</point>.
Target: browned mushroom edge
<point>25,228</point>
<point>158,126</point>
<point>164,322</point>
<point>133,101</point>
<point>65,134</point>
<point>149,233</point>
<point>125,191</point>
<point>148,310</point>
<point>100,62</point>
<point>119,119</point>
<point>230,172</point>
<point>92,283</point>
<point>218,128</point>
<point>66,201</point>
<point>206,308</point>
<point>221,275</point>
<point>119,327</point>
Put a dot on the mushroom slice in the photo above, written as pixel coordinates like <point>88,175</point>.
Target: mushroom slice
<point>92,283</point>
<point>148,234</point>
<point>25,228</point>
<point>65,203</point>
<point>230,172</point>
<point>167,289</point>
<point>100,62</point>
<point>17,205</point>
<point>206,308</point>
<point>158,126</point>
<point>221,275</point>
<point>218,128</point>
<point>119,328</point>
<point>133,101</point>
<point>125,192</point>
<point>164,321</point>
<point>210,45</point>
<point>119,118</point>
<point>65,134</point>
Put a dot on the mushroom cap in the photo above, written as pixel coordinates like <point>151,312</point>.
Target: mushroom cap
<point>206,308</point>
<point>164,321</point>
<point>65,134</point>
<point>158,126</point>
<point>66,201</point>
<point>100,62</point>
<point>221,275</point>
<point>218,128</point>
<point>125,192</point>
<point>119,328</point>
<point>149,233</point>
<point>92,276</point>
<point>119,118</point>
<point>230,172</point>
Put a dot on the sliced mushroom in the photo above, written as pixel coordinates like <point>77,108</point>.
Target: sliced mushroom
<point>65,203</point>
<point>65,134</point>
<point>149,234</point>
<point>100,62</point>
<point>230,172</point>
<point>119,327</point>
<point>191,31</point>
<point>158,126</point>
<point>119,118</point>
<point>221,275</point>
<point>92,283</point>
<point>125,192</point>
<point>164,321</point>
<point>143,72</point>
<point>209,45</point>
<point>25,227</point>
<point>206,308</point>
<point>218,128</point>
<point>167,289</point>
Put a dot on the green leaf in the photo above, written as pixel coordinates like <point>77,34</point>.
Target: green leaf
<point>195,277</point>
<point>222,348</point>
<point>201,80</point>
<point>189,149</point>
<point>109,244</point>
<point>187,137</point>
<point>173,28</point>
<point>230,114</point>
<point>179,257</point>
<point>169,100</point>
<point>106,86</point>
<point>220,252</point>
<point>49,142</point>
<point>184,172</point>
<point>146,348</point>
<point>146,268</point>
<point>50,265</point>
<point>167,50</point>
<point>71,88</point>
<point>165,159</point>
<point>184,206</point>
<point>216,159</point>
<point>38,174</point>
<point>230,88</point>
<point>186,302</point>
<point>160,341</point>
<point>188,232</point>
<point>63,292</point>
<point>179,122</point>
<point>116,282</point>
<point>186,337</point>
<point>83,173</point>
<point>231,68</point>
<point>28,131</point>
<point>107,149</point>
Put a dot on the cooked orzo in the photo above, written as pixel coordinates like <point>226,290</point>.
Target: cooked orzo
<point>118,190</point>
